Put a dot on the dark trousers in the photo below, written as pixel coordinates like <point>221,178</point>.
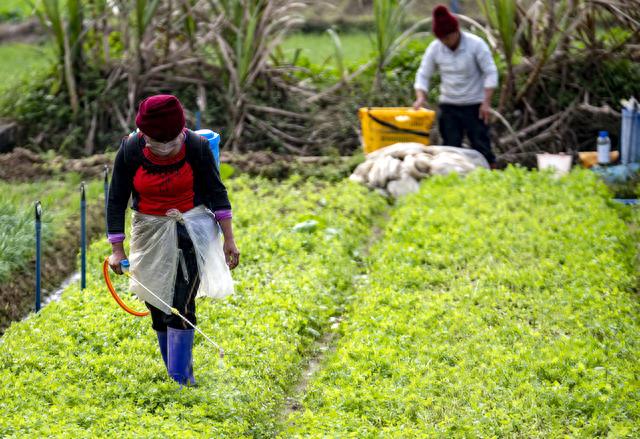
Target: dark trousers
<point>455,121</point>
<point>184,296</point>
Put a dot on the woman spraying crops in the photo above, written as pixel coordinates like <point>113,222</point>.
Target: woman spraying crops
<point>179,205</point>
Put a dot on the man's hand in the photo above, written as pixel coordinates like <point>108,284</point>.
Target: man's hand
<point>231,253</point>
<point>485,112</point>
<point>421,99</point>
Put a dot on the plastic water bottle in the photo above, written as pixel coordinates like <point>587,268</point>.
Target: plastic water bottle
<point>124,265</point>
<point>604,148</point>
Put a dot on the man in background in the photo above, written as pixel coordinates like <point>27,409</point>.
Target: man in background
<point>468,78</point>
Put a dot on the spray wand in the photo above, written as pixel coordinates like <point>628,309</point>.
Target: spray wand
<point>124,265</point>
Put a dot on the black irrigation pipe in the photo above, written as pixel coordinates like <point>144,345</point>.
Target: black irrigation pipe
<point>198,119</point>
<point>106,197</point>
<point>38,212</point>
<point>83,237</point>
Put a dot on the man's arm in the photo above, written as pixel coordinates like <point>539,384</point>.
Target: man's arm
<point>490,73</point>
<point>485,107</point>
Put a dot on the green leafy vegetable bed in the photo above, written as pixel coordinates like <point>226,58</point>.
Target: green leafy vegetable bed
<point>501,305</point>
<point>498,305</point>
<point>84,368</point>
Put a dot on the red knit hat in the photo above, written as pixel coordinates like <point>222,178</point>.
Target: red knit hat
<point>444,23</point>
<point>161,117</point>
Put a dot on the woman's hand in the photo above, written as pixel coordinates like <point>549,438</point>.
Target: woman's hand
<point>117,255</point>
<point>231,253</point>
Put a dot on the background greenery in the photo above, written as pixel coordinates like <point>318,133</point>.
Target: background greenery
<point>543,50</point>
<point>15,10</point>
<point>21,61</point>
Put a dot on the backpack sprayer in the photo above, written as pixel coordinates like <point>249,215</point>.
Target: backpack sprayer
<point>214,143</point>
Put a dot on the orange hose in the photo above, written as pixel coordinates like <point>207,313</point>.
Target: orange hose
<point>112,290</point>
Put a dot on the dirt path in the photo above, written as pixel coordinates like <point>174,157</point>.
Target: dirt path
<point>322,349</point>
<point>29,31</point>
<point>24,165</point>
<point>326,344</point>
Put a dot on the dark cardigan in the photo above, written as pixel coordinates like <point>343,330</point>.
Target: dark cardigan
<point>207,186</point>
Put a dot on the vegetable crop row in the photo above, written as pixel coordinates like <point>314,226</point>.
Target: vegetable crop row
<point>84,368</point>
<point>501,305</point>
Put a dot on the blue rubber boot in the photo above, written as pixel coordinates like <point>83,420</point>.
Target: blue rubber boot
<point>180,366</point>
<point>162,342</point>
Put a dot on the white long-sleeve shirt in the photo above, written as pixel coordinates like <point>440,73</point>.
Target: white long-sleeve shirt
<point>464,72</point>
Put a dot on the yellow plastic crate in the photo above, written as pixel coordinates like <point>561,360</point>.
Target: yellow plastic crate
<point>384,126</point>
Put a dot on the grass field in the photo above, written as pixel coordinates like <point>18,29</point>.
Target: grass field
<point>14,10</point>
<point>20,60</point>
<point>502,305</point>
<point>319,48</point>
<point>84,368</point>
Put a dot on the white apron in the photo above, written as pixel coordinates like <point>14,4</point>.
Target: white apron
<point>154,255</point>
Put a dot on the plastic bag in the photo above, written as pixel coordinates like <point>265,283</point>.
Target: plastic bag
<point>473,156</point>
<point>154,255</point>
<point>405,185</point>
<point>215,276</point>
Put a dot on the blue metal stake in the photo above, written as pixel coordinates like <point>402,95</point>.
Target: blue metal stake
<point>83,237</point>
<point>38,252</point>
<point>106,198</point>
<point>198,119</point>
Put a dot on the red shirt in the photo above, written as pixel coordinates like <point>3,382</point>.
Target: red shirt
<point>164,183</point>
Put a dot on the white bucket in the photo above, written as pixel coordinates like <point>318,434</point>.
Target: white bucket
<point>560,163</point>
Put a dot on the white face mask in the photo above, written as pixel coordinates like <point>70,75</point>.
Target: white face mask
<point>164,149</point>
